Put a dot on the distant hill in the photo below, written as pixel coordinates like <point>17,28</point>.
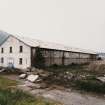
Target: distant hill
<point>3,36</point>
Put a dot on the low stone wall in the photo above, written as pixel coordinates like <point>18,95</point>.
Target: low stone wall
<point>98,66</point>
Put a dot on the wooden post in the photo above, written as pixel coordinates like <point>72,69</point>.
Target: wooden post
<point>63,58</point>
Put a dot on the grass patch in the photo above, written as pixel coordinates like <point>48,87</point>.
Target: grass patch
<point>64,68</point>
<point>17,97</point>
<point>6,83</point>
<point>12,96</point>
<point>90,86</point>
<point>77,77</point>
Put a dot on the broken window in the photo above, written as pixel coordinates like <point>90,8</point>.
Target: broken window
<point>2,50</point>
<point>20,61</point>
<point>2,60</point>
<point>10,49</point>
<point>21,49</point>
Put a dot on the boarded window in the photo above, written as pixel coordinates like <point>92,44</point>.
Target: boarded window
<point>10,49</point>
<point>21,49</point>
<point>20,61</point>
<point>2,60</point>
<point>2,50</point>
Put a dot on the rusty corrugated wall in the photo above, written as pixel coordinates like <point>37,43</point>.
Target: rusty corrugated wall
<point>65,58</point>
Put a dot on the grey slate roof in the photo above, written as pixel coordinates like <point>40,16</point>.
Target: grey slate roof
<point>3,36</point>
<point>34,43</point>
<point>49,45</point>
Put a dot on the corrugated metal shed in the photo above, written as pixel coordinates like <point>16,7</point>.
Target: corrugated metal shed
<point>34,43</point>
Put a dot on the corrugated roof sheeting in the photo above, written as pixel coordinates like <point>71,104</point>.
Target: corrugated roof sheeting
<point>49,45</point>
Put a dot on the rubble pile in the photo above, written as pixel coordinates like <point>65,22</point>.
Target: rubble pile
<point>34,78</point>
<point>44,78</point>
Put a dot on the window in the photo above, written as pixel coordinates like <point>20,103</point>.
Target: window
<point>20,61</point>
<point>21,49</point>
<point>2,50</point>
<point>10,49</point>
<point>2,60</point>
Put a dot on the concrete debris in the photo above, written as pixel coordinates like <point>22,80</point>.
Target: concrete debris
<point>43,86</point>
<point>35,85</point>
<point>102,79</point>
<point>32,78</point>
<point>22,76</point>
<point>33,69</point>
<point>32,85</point>
<point>39,80</point>
<point>2,70</point>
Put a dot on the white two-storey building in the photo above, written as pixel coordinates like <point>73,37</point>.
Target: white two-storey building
<point>19,52</point>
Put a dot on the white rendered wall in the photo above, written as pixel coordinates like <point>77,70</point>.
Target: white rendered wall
<point>15,55</point>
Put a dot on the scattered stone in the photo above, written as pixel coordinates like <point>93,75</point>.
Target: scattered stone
<point>24,87</point>
<point>39,80</point>
<point>82,76</point>
<point>43,86</point>
<point>38,92</point>
<point>32,78</point>
<point>35,85</point>
<point>22,76</point>
<point>28,69</point>
<point>2,70</point>
<point>102,79</point>
<point>32,85</point>
<point>68,90</point>
<point>33,69</point>
<point>44,74</point>
<point>67,72</point>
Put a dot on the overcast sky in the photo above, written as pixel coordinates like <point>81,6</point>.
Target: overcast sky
<point>77,23</point>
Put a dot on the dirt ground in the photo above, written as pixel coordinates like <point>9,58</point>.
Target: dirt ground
<point>67,97</point>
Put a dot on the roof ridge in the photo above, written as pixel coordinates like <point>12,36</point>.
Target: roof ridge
<point>50,45</point>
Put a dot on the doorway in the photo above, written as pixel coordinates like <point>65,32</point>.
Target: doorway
<point>10,62</point>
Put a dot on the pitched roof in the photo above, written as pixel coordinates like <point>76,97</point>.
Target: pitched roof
<point>43,44</point>
<point>3,36</point>
<point>34,43</point>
